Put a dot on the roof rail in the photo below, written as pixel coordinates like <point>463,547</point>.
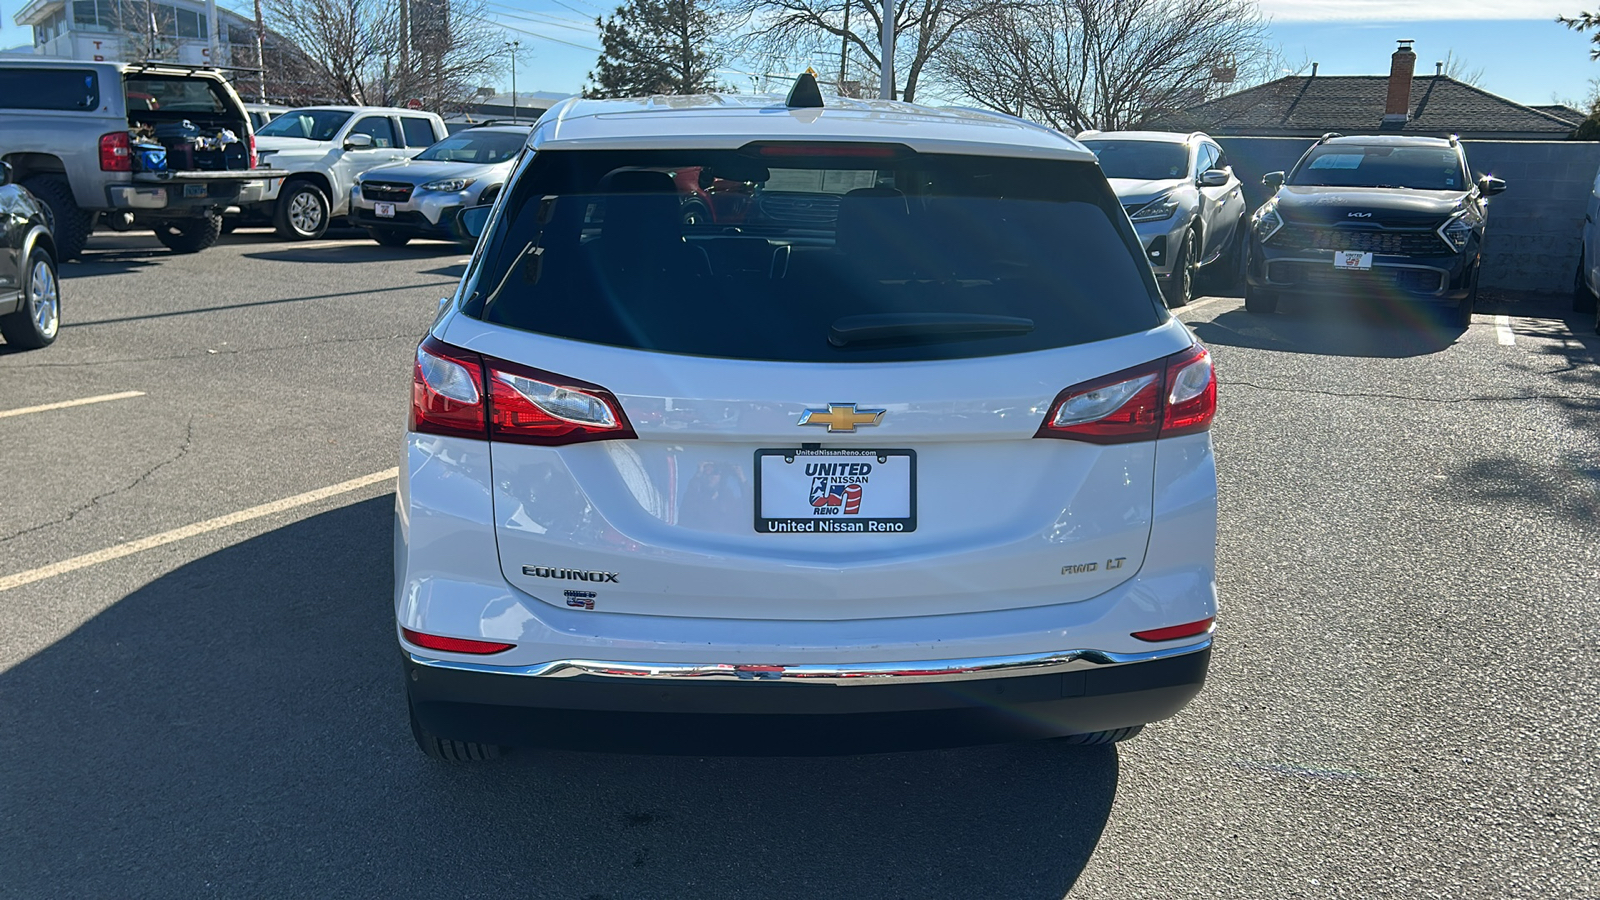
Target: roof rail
<point>164,64</point>
<point>488,122</point>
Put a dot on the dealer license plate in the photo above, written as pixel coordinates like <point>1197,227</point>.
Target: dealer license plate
<point>1354,260</point>
<point>383,210</point>
<point>843,491</point>
<point>194,190</point>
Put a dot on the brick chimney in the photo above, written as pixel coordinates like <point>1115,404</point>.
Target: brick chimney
<point>1401,67</point>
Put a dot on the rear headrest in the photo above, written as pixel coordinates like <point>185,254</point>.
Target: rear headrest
<point>870,219</point>
<point>637,181</point>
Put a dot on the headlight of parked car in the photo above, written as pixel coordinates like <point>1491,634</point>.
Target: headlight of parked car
<point>1160,208</point>
<point>449,185</point>
<point>1266,222</point>
<point>1458,230</point>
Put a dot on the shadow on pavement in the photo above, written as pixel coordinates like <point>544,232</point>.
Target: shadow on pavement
<point>312,252</point>
<point>1367,327</point>
<point>238,727</point>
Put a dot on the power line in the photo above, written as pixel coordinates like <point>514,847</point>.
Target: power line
<point>535,34</point>
<point>558,23</point>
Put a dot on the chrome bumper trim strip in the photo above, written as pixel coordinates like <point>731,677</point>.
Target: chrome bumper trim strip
<point>843,673</point>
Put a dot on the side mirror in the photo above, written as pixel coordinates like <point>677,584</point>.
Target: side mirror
<point>1214,177</point>
<point>1491,185</point>
<point>358,142</point>
<point>471,221</point>
<point>5,174</point>
<point>1273,180</point>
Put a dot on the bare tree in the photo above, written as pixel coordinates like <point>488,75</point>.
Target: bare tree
<point>821,29</point>
<point>383,52</point>
<point>1461,70</point>
<point>1079,64</point>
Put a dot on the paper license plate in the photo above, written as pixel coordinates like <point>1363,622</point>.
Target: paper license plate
<point>843,491</point>
<point>194,190</point>
<point>384,210</point>
<point>1354,260</point>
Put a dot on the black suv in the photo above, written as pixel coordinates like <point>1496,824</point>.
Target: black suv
<point>1398,218</point>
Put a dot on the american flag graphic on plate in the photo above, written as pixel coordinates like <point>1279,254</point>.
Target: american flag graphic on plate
<point>824,493</point>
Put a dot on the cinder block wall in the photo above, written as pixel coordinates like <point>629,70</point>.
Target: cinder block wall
<point>1534,227</point>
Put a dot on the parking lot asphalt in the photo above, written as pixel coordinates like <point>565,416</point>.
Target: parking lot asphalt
<point>1403,701</point>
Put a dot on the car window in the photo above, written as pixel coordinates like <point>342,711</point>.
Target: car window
<point>596,246</point>
<point>418,131</point>
<point>481,147</point>
<point>379,128</point>
<point>69,89</point>
<point>1206,159</point>
<point>1222,158</point>
<point>1142,160</point>
<point>1356,165</point>
<point>312,124</point>
<point>173,93</point>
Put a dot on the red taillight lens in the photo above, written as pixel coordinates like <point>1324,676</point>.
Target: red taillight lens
<point>849,149</point>
<point>528,406</point>
<point>459,393</point>
<point>252,144</point>
<point>453,645</point>
<point>1173,632</point>
<point>116,154</point>
<point>447,391</point>
<point>1168,397</point>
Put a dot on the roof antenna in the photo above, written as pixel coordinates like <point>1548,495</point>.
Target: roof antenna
<point>805,94</point>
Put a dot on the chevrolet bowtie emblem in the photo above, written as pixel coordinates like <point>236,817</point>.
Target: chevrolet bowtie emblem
<point>841,417</point>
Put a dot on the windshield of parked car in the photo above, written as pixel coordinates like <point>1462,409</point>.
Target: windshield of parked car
<point>314,124</point>
<point>483,147</point>
<point>804,258</point>
<point>1355,165</point>
<point>1141,160</point>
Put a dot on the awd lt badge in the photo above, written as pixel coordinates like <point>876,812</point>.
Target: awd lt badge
<point>841,417</point>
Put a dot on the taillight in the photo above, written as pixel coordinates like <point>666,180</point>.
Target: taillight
<point>116,154</point>
<point>251,139</point>
<point>1173,632</point>
<point>447,391</point>
<point>453,645</point>
<point>462,394</point>
<point>527,406</point>
<point>1171,396</point>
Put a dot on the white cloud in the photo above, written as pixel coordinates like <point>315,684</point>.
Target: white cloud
<point>1359,12</point>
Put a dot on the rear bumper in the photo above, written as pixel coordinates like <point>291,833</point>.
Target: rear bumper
<point>1082,692</point>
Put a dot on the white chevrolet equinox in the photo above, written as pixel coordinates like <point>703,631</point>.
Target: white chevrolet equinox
<point>807,424</point>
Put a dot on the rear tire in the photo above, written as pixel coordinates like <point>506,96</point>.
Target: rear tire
<point>302,212</point>
<point>71,225</point>
<point>1179,288</point>
<point>1583,299</point>
<point>435,747</point>
<point>389,238</point>
<point>36,323</point>
<point>1096,738</point>
<point>1260,300</point>
<point>189,235</point>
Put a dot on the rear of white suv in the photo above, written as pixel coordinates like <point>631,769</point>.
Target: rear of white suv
<point>903,438</point>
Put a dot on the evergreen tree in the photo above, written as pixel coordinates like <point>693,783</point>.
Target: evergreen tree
<point>657,47</point>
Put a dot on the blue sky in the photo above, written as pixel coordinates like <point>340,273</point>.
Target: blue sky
<point>1523,53</point>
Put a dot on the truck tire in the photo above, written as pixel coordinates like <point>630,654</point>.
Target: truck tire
<point>71,224</point>
<point>302,211</point>
<point>190,235</point>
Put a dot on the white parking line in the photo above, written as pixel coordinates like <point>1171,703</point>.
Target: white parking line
<point>1502,329</point>
<point>177,534</point>
<point>1196,304</point>
<point>7,413</point>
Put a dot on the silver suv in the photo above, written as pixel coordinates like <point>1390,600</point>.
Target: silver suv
<point>1184,201</point>
<point>419,198</point>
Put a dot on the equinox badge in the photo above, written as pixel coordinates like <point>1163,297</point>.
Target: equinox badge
<point>841,417</point>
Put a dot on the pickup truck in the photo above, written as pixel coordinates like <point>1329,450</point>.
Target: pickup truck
<point>65,129</point>
<point>315,153</point>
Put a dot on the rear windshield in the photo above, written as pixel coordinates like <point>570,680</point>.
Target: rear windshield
<point>69,89</point>
<point>1352,165</point>
<point>805,258</point>
<point>174,93</point>
<point>1143,160</point>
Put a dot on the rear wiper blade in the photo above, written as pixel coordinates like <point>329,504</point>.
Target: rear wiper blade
<point>923,327</point>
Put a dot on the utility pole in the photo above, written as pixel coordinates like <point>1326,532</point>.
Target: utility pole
<point>513,45</point>
<point>844,46</point>
<point>261,56</point>
<point>886,89</point>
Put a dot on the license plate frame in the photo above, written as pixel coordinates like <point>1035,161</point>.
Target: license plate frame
<point>383,210</point>
<point>191,191</point>
<point>1352,260</point>
<point>897,467</point>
